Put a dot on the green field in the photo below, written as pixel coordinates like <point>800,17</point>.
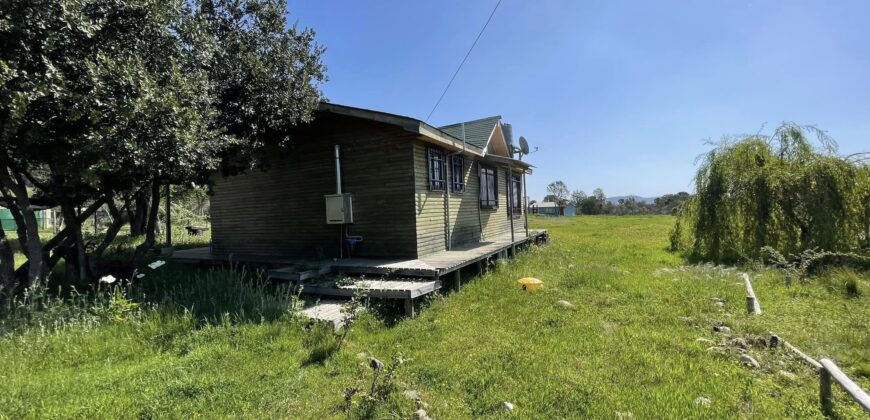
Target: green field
<point>628,345</point>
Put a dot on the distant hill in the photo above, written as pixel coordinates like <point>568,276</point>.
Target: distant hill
<point>615,200</point>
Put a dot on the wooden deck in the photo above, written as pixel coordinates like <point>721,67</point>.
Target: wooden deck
<point>429,270</point>
<point>430,266</point>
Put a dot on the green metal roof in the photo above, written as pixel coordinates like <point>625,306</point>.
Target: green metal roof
<point>477,132</point>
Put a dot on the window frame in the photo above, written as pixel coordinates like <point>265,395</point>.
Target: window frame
<point>457,178</point>
<point>516,183</point>
<point>435,166</point>
<point>487,202</point>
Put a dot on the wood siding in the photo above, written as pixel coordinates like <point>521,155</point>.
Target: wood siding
<point>282,211</point>
<point>468,222</point>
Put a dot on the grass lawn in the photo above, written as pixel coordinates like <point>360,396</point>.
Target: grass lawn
<point>629,344</point>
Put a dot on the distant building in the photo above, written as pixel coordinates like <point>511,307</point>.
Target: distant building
<point>44,218</point>
<point>549,208</point>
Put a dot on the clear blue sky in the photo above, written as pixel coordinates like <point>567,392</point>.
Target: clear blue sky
<point>616,94</point>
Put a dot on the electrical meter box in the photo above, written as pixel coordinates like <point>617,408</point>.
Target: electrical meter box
<point>339,209</point>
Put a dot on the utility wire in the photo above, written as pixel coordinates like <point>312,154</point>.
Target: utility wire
<point>463,60</point>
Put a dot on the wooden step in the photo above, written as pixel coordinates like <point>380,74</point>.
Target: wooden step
<point>293,273</point>
<point>327,310</point>
<point>384,289</point>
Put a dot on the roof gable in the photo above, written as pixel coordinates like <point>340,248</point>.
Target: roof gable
<point>498,144</point>
<point>476,133</point>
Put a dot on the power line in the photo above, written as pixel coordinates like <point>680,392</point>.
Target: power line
<point>463,60</point>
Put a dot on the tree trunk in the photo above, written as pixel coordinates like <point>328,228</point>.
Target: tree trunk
<point>7,266</point>
<point>74,223</point>
<point>150,227</point>
<point>31,244</point>
<point>138,214</point>
<point>118,221</point>
<point>59,244</point>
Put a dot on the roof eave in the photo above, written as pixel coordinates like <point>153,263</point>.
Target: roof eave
<point>411,125</point>
<point>515,163</point>
<point>445,139</point>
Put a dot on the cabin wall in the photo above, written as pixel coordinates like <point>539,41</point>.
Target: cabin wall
<point>281,212</point>
<point>468,222</point>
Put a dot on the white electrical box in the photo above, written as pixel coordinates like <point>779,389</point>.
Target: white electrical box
<point>339,209</point>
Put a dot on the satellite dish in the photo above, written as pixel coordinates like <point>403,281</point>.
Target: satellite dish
<point>524,146</point>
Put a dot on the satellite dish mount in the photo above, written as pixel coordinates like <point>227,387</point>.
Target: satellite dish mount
<point>524,148</point>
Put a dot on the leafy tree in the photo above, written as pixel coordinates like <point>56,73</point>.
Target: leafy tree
<point>98,101</point>
<point>595,203</point>
<point>598,193</point>
<point>559,193</point>
<point>577,197</point>
<point>670,203</point>
<point>107,100</point>
<point>776,191</point>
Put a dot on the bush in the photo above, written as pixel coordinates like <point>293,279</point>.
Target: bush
<point>778,192</point>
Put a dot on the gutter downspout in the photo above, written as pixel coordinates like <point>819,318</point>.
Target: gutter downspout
<point>448,183</point>
<point>338,191</point>
<point>510,190</point>
<point>337,170</point>
<point>526,203</point>
<point>479,216</point>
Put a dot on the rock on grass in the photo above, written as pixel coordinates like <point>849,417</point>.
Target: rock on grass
<point>721,329</point>
<point>564,304</point>
<point>749,360</point>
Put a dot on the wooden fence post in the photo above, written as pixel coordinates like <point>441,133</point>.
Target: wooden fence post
<point>825,389</point>
<point>830,371</point>
<point>752,305</point>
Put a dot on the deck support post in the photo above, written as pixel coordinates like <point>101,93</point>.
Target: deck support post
<point>456,280</point>
<point>409,307</point>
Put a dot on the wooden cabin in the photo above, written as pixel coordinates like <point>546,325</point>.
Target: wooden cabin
<point>362,183</point>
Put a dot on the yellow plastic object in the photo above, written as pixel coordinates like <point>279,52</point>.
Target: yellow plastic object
<point>530,283</point>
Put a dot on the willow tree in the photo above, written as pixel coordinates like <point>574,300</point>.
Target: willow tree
<point>789,191</point>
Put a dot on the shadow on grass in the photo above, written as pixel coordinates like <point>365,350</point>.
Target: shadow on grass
<point>213,295</point>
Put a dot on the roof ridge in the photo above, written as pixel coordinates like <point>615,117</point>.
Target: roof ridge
<point>472,121</point>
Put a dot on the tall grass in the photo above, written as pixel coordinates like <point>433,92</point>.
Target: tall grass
<point>236,294</point>
<point>634,343</point>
